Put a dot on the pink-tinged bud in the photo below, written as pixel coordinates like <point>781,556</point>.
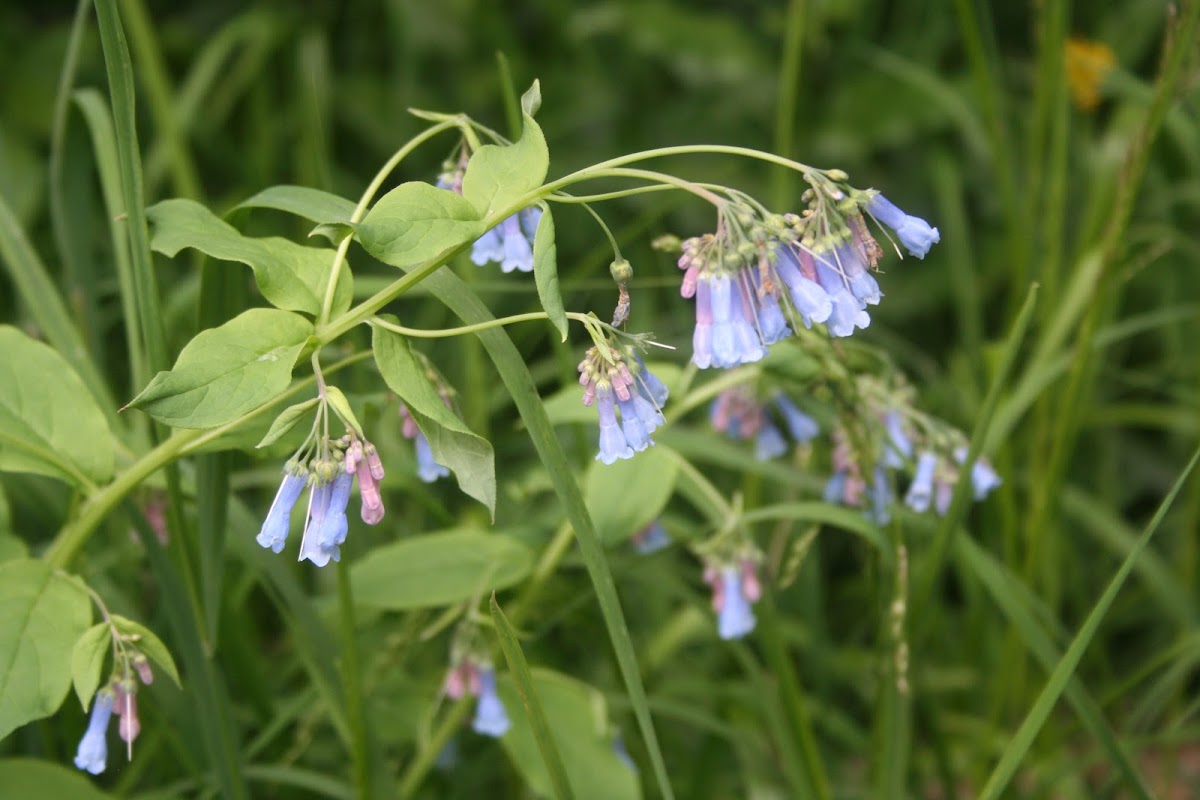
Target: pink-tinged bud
<point>713,578</point>
<point>142,665</point>
<point>130,726</point>
<point>409,428</point>
<point>372,502</point>
<point>625,375</point>
<point>807,267</point>
<point>751,587</point>
<point>684,261</point>
<point>620,388</point>
<point>852,494</point>
<point>456,678</point>
<point>589,394</point>
<point>353,457</point>
<point>374,462</point>
<point>474,683</point>
<point>688,287</point>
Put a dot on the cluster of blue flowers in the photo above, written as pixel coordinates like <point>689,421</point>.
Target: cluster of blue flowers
<point>736,413</point>
<point>330,478</point>
<point>119,697</point>
<point>739,274</point>
<point>428,469</point>
<point>735,589</point>
<point>618,379</point>
<point>478,679</point>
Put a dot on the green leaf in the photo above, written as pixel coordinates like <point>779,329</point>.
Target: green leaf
<point>42,614</point>
<point>12,548</point>
<point>627,496</point>
<point>28,777</point>
<point>49,423</point>
<point>291,276</point>
<point>531,101</point>
<point>416,222</point>
<point>287,420</point>
<point>497,175</point>
<point>535,714</point>
<point>578,720</point>
<point>342,407</point>
<point>454,445</point>
<point>303,201</point>
<point>149,644</point>
<point>225,372</point>
<point>545,272</point>
<point>439,569</point>
<point>87,661</point>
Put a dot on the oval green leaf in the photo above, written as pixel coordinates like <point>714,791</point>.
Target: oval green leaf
<point>303,201</point>
<point>416,222</point>
<point>149,643</point>
<point>627,496</point>
<point>28,777</point>
<point>42,614</point>
<point>287,420</point>
<point>439,569</point>
<point>87,661</point>
<point>225,372</point>
<point>49,423</point>
<point>545,272</point>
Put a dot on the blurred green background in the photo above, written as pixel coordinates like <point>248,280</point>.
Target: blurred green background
<point>977,116</point>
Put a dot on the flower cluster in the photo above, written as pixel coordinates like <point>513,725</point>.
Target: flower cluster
<point>478,679</point>
<point>735,588</point>
<point>823,258</point>
<point>428,469</point>
<point>617,378</point>
<point>329,476</point>
<point>120,697</point>
<point>510,243</point>
<point>737,413</point>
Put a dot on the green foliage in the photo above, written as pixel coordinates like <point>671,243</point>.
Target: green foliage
<point>627,496</point>
<point>42,614</point>
<point>439,569</point>
<point>227,371</point>
<point>545,272</point>
<point>49,424</point>
<point>27,777</point>
<point>87,659</point>
<point>416,222</point>
<point>498,175</point>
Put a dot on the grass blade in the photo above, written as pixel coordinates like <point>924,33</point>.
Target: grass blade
<point>529,699</point>
<point>1061,676</point>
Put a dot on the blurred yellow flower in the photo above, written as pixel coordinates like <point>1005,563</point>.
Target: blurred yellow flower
<point>1087,64</point>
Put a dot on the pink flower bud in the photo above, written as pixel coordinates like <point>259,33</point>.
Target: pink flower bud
<point>688,287</point>
<point>142,665</point>
<point>130,726</point>
<point>374,462</point>
<point>751,587</point>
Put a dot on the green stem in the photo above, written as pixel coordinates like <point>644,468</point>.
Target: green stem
<point>442,333</point>
<point>368,195</point>
<point>352,679</point>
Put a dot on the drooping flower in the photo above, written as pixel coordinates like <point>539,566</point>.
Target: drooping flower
<point>510,243</point>
<point>491,719</point>
<point>914,233</point>
<point>428,469</point>
<point>881,497</point>
<point>651,539</point>
<point>622,381</point>
<point>92,754</point>
<point>735,588</point>
<point>363,462</point>
<point>801,426</point>
<point>847,313</point>
<point>125,705</point>
<point>983,477</point>
<point>327,524</point>
<point>797,270</point>
<point>898,447</point>
<point>920,491</point>
<point>769,443</point>
<point>274,530</point>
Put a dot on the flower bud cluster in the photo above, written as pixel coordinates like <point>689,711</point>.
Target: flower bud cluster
<point>617,378</point>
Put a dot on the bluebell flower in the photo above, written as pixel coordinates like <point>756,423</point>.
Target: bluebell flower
<point>649,385</point>
<point>490,717</point>
<point>92,754</point>
<point>801,426</point>
<point>914,233</point>
<point>613,444</point>
<point>702,335</point>
<point>510,243</point>
<point>319,502</point>
<point>983,478</point>
<point>795,268</point>
<point>651,538</point>
<point>846,313</point>
<point>639,418</point>
<point>772,325</point>
<point>735,340</point>
<point>274,530</point>
<point>735,619</point>
<point>835,487</point>
<point>428,469</point>
<point>920,491</point>
<point>769,443</point>
<point>881,497</point>
<point>899,447</point>
<point>335,526</point>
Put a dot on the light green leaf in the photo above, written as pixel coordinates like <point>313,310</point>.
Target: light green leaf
<point>87,661</point>
<point>149,644</point>
<point>303,201</point>
<point>225,372</point>
<point>531,101</point>
<point>342,406</point>
<point>291,276</point>
<point>287,420</point>
<point>439,569</point>
<point>29,777</point>
<point>578,718</point>
<point>545,272</point>
<point>42,614</point>
<point>454,445</point>
<point>627,496</point>
<point>12,548</point>
<point>416,222</point>
<point>497,175</point>
<point>49,423</point>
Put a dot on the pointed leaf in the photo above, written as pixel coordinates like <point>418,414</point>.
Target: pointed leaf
<point>545,272</point>
<point>454,445</point>
<point>42,614</point>
<point>225,372</point>
<point>87,661</point>
<point>149,644</point>
<point>291,276</point>
<point>342,407</point>
<point>28,777</point>
<point>499,174</point>
<point>49,423</point>
<point>303,201</point>
<point>416,222</point>
<point>287,420</point>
